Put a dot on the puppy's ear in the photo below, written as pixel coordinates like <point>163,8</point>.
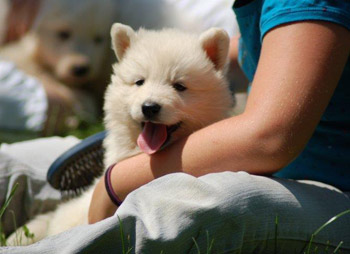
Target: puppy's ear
<point>121,39</point>
<point>215,43</point>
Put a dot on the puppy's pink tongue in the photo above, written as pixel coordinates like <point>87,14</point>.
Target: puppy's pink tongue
<point>152,137</point>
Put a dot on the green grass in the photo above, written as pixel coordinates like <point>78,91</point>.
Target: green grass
<point>209,247</point>
<point>125,249</point>
<point>2,211</point>
<point>322,228</point>
<point>28,235</point>
<point>309,250</point>
<point>85,130</point>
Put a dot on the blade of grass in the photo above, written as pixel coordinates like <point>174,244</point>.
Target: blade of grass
<point>17,242</point>
<point>197,247</point>
<point>122,238</point>
<point>331,220</point>
<point>276,232</point>
<point>129,248</point>
<point>209,245</point>
<point>29,236</point>
<point>122,234</point>
<point>336,249</point>
<point>8,200</point>
<point>327,247</point>
<point>2,239</point>
<point>323,226</point>
<point>2,211</point>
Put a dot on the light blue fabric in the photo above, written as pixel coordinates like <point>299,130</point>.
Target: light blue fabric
<point>326,157</point>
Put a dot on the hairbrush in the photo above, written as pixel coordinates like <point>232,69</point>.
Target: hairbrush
<point>78,167</point>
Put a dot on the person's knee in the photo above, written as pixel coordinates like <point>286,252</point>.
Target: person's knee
<point>225,207</point>
<point>240,197</point>
<point>237,210</point>
<point>239,190</point>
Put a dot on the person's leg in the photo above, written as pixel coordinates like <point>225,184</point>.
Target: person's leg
<point>236,211</point>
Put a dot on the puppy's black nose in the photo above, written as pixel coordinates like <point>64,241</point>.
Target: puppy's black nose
<point>80,70</point>
<point>150,109</point>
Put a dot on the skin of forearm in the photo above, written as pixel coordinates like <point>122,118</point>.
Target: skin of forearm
<point>227,145</point>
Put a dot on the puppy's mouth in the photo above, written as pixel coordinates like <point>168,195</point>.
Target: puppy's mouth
<point>155,136</point>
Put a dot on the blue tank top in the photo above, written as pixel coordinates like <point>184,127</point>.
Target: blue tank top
<point>326,157</point>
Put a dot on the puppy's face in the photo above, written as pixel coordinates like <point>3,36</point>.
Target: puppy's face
<point>167,84</point>
<point>73,39</point>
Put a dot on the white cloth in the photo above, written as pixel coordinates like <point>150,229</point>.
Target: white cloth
<point>23,101</point>
<point>216,13</point>
<point>189,15</point>
<point>39,153</point>
<point>27,163</point>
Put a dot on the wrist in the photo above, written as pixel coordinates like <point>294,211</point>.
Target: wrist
<point>109,187</point>
<point>130,174</point>
<point>101,206</point>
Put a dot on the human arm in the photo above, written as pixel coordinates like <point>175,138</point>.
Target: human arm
<point>299,67</point>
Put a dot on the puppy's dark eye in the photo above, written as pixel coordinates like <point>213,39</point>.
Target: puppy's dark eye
<point>140,82</point>
<point>179,87</point>
<point>98,39</point>
<point>64,35</point>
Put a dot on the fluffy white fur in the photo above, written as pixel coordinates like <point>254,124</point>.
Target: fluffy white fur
<point>161,58</point>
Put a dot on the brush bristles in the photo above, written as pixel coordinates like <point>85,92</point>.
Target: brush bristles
<point>81,172</point>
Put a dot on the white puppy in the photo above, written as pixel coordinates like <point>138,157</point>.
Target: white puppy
<point>166,85</point>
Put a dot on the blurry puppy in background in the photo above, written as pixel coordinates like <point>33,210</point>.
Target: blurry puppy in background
<point>68,50</point>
